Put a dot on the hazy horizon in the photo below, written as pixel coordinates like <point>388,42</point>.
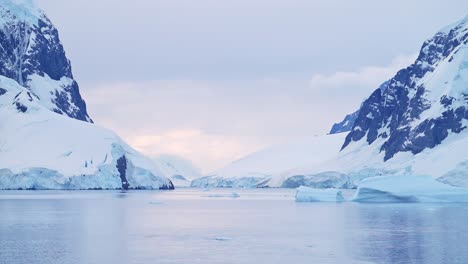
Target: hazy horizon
<point>212,81</point>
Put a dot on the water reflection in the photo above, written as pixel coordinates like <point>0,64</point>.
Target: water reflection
<point>186,226</point>
<point>409,233</point>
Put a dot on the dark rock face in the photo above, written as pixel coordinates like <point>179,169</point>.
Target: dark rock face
<point>348,122</point>
<point>21,107</point>
<point>29,48</point>
<point>346,125</point>
<point>392,113</point>
<point>169,186</point>
<point>2,91</point>
<point>122,168</point>
<point>26,96</point>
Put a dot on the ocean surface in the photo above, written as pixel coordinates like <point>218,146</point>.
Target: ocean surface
<point>223,226</point>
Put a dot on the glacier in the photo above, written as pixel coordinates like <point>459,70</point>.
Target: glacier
<point>48,140</point>
<point>307,194</point>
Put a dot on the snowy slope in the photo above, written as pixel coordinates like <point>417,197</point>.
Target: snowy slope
<point>362,161</point>
<point>180,171</point>
<point>44,143</point>
<point>40,149</point>
<point>264,167</point>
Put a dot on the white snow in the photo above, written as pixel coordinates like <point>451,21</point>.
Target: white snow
<point>359,161</point>
<point>408,189</point>
<point>450,78</point>
<point>21,10</point>
<point>306,194</point>
<point>446,29</point>
<point>265,167</point>
<point>179,170</point>
<point>44,150</point>
<point>45,88</point>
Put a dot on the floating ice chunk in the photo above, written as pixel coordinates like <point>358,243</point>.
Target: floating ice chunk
<point>219,195</point>
<point>307,194</point>
<point>324,180</point>
<point>156,202</point>
<point>222,238</point>
<point>408,189</point>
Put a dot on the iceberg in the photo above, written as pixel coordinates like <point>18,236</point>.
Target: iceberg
<point>307,194</point>
<point>408,189</point>
<point>227,195</point>
<point>322,180</point>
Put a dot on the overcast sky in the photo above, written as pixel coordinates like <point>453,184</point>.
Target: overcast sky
<point>212,80</point>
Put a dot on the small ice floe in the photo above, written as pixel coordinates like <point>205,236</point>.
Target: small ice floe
<point>155,202</point>
<point>223,238</point>
<point>223,195</point>
<point>307,194</point>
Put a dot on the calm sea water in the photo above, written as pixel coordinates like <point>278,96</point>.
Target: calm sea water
<point>209,226</point>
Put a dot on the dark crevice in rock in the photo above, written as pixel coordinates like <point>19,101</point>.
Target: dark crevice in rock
<point>122,168</point>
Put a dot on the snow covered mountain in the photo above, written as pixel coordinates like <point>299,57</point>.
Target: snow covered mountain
<point>47,139</point>
<point>264,168</point>
<point>180,171</point>
<point>413,124</point>
<point>424,103</point>
<point>348,122</point>
<point>32,55</point>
